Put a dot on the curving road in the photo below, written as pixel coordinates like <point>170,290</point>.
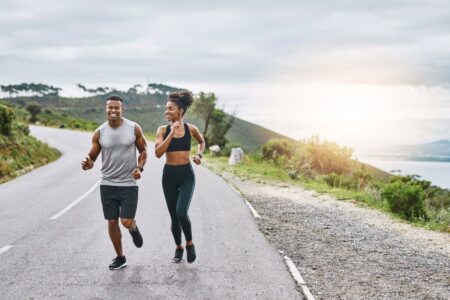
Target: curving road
<point>67,257</point>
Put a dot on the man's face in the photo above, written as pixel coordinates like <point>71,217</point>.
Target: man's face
<point>114,110</point>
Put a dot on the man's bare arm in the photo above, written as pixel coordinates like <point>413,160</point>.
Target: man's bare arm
<point>88,162</point>
<point>141,145</point>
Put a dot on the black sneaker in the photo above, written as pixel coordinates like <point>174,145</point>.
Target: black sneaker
<point>137,237</point>
<point>178,255</point>
<point>118,263</point>
<point>190,251</point>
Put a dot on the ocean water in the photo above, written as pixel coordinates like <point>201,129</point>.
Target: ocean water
<point>436,172</point>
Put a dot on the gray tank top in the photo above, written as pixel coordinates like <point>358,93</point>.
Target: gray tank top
<point>118,153</point>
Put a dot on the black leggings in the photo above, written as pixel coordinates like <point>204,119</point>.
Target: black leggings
<point>178,184</point>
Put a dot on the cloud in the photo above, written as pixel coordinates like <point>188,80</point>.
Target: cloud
<point>243,50</point>
<point>352,41</point>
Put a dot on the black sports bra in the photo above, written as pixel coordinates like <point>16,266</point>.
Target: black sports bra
<point>179,144</point>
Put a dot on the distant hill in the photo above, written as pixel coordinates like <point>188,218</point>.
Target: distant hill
<point>435,151</point>
<point>439,150</point>
<point>148,110</point>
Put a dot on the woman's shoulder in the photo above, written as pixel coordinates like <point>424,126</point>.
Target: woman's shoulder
<point>191,126</point>
<point>162,129</point>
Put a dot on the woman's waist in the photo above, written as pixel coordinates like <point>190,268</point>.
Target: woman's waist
<point>177,158</point>
<point>178,171</point>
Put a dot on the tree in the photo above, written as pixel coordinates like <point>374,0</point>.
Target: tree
<point>101,90</point>
<point>217,122</point>
<point>34,109</point>
<point>132,90</point>
<point>7,89</point>
<point>220,124</point>
<point>203,107</point>
<point>10,89</point>
<point>82,87</point>
<point>7,117</point>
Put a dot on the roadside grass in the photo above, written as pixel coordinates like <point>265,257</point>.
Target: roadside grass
<point>23,153</point>
<point>258,170</point>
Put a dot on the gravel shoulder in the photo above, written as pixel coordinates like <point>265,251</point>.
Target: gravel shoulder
<point>346,251</point>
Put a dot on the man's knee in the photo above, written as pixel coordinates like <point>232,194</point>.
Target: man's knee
<point>128,223</point>
<point>113,222</point>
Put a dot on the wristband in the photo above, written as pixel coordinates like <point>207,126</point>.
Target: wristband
<point>200,155</point>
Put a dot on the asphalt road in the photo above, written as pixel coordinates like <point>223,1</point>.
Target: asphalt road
<point>68,258</point>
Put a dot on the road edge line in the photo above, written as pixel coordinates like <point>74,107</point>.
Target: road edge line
<point>295,273</point>
<point>56,216</point>
<point>5,249</point>
<point>253,211</point>
<point>298,278</point>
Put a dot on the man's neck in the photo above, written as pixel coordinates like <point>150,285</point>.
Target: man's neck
<point>115,123</point>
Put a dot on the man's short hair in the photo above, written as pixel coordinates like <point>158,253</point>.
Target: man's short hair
<point>114,98</point>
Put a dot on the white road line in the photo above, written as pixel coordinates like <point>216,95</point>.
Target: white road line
<point>6,248</point>
<point>298,278</point>
<point>75,202</point>
<point>292,268</point>
<point>235,189</point>
<point>254,212</point>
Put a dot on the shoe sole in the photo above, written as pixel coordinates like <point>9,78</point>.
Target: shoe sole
<point>138,246</point>
<point>118,268</point>
<point>177,262</point>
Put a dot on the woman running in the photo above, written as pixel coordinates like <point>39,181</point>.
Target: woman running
<point>178,178</point>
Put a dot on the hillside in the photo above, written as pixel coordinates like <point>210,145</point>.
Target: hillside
<point>434,151</point>
<point>19,152</point>
<point>439,150</point>
<point>145,108</point>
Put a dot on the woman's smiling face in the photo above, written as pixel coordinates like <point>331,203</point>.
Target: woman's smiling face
<point>173,112</point>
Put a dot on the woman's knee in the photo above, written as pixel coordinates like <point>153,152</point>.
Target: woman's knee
<point>182,215</point>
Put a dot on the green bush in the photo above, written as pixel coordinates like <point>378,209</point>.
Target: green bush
<point>310,157</point>
<point>276,148</point>
<point>362,178</point>
<point>34,109</point>
<point>406,198</point>
<point>341,181</point>
<point>7,117</point>
<point>21,127</point>
<point>440,199</point>
<point>313,157</point>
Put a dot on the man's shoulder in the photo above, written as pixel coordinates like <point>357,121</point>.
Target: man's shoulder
<point>102,126</point>
<point>130,123</point>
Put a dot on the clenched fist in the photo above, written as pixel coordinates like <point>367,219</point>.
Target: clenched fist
<point>87,163</point>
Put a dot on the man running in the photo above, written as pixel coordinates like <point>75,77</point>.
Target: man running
<point>117,140</point>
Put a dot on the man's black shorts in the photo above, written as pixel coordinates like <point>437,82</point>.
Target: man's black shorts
<point>119,201</point>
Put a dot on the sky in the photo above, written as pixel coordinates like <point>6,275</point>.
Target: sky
<point>357,72</point>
